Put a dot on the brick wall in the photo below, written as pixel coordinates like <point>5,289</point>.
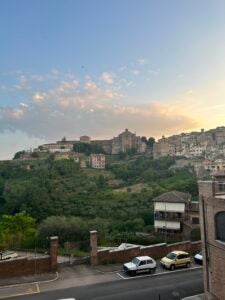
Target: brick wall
<point>29,266</point>
<point>156,251</point>
<point>24,266</point>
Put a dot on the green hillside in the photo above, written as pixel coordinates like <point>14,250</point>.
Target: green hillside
<point>100,199</point>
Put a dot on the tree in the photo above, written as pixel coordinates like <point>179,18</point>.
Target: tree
<point>144,140</point>
<point>66,228</point>
<point>151,142</point>
<point>18,154</point>
<point>17,230</point>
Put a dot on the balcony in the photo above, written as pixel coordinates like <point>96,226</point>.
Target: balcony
<point>168,216</point>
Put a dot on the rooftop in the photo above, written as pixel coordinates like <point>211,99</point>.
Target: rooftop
<point>173,197</point>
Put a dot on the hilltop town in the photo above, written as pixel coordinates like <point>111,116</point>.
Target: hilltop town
<point>204,150</point>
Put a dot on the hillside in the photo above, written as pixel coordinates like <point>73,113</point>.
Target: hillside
<point>107,200</point>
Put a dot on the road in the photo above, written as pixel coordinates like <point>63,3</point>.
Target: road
<point>174,285</point>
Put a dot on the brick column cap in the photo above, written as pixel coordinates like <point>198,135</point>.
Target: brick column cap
<point>93,231</point>
<point>53,238</point>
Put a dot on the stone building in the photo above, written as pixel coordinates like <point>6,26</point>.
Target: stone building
<point>163,148</point>
<point>85,139</point>
<point>212,220</point>
<point>127,140</point>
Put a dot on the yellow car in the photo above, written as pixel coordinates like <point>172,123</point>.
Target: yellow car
<point>176,259</point>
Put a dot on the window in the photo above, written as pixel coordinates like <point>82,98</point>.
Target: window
<point>142,263</point>
<point>149,261</point>
<point>195,220</point>
<point>220,226</point>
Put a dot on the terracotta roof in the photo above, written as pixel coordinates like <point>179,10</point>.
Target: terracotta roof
<point>173,197</point>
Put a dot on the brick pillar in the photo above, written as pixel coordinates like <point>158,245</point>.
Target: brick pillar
<point>206,189</point>
<point>53,252</point>
<point>94,247</point>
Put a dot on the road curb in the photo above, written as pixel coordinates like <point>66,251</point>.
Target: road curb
<point>157,274</point>
<point>33,282</point>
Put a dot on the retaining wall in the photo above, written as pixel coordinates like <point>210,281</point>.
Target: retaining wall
<point>156,251</point>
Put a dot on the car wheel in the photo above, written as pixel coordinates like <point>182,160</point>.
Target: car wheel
<point>172,267</point>
<point>152,270</point>
<point>188,264</point>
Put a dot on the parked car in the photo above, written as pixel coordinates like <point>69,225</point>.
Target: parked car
<point>8,255</point>
<point>176,259</point>
<point>198,258</point>
<point>140,264</point>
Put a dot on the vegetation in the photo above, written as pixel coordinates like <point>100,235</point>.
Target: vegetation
<point>87,148</point>
<point>68,201</point>
<point>17,230</point>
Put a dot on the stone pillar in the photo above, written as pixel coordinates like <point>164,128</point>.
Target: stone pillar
<point>53,252</point>
<point>94,247</point>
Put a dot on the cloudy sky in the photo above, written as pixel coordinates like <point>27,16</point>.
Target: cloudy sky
<point>96,67</point>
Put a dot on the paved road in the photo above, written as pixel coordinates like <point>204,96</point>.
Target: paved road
<point>174,285</point>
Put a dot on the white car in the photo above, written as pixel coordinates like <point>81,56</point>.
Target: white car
<point>198,258</point>
<point>8,255</point>
<point>140,264</point>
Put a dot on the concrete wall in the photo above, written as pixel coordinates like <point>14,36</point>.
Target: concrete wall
<point>156,251</point>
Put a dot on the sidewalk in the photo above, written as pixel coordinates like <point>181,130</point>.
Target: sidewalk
<point>109,268</point>
<point>26,279</point>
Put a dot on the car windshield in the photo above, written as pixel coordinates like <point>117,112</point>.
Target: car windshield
<point>171,255</point>
<point>136,261</point>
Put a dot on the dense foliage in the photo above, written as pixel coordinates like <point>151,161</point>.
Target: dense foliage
<point>17,230</point>
<point>87,148</point>
<point>69,201</point>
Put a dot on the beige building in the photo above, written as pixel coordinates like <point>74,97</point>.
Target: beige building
<point>163,148</point>
<point>212,220</point>
<point>97,161</point>
<point>174,212</point>
<point>214,166</point>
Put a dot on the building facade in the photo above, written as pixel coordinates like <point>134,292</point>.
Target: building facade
<point>126,141</point>
<point>97,161</point>
<point>85,139</point>
<point>174,212</point>
<point>212,220</point>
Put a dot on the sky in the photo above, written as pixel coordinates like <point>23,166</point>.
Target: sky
<point>95,67</point>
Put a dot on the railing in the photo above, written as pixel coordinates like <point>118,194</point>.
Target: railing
<point>168,217</point>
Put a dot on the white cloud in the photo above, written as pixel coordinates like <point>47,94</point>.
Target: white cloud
<point>142,61</point>
<point>135,72</point>
<point>71,109</point>
<point>23,104</point>
<point>107,78</point>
